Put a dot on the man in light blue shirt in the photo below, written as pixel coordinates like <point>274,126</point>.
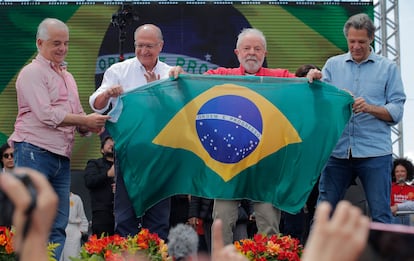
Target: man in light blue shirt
<point>365,147</point>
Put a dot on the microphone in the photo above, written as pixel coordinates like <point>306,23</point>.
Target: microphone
<point>182,242</point>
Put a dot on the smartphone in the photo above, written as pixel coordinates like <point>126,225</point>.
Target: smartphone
<point>389,242</point>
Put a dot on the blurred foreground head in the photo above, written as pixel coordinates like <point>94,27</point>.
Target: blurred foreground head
<point>183,243</point>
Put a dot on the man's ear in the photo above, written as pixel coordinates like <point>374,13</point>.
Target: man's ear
<point>39,43</point>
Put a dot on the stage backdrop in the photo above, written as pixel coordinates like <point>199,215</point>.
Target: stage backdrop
<point>198,36</point>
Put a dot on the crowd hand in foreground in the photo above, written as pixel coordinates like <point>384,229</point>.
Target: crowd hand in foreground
<point>341,238</point>
<point>33,245</point>
<point>220,252</point>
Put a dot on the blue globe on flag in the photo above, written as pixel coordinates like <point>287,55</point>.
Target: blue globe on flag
<point>229,127</point>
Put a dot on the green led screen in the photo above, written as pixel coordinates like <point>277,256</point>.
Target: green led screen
<point>198,36</point>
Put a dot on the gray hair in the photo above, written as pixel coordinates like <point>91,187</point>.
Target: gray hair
<point>251,31</point>
<point>182,242</point>
<point>43,28</point>
<point>359,22</point>
<point>153,27</point>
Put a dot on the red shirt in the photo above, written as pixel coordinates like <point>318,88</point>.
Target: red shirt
<point>402,193</point>
<point>283,73</point>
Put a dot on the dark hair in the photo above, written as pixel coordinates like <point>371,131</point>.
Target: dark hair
<point>3,148</point>
<point>303,70</point>
<point>407,164</point>
<point>104,141</point>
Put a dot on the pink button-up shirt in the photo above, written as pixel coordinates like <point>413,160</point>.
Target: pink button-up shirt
<point>44,97</point>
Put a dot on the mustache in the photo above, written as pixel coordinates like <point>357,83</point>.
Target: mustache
<point>251,58</point>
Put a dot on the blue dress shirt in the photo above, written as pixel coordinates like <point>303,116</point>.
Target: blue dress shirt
<point>378,80</point>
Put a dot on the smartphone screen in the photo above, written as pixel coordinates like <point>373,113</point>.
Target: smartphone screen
<point>389,242</point>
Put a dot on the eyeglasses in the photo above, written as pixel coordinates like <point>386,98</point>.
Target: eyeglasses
<point>7,155</point>
<point>148,46</point>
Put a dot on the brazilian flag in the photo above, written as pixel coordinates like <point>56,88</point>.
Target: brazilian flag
<point>228,137</point>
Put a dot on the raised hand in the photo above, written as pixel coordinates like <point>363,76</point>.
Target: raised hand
<point>220,252</point>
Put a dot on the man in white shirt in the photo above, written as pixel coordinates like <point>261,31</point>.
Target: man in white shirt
<point>124,76</point>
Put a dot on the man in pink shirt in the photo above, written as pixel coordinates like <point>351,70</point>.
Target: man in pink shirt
<point>251,51</point>
<point>49,113</point>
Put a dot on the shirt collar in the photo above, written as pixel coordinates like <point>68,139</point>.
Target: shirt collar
<point>42,59</point>
<point>370,58</point>
<point>142,68</point>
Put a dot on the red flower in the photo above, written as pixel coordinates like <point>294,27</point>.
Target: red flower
<point>6,241</point>
<point>274,247</point>
<point>117,248</point>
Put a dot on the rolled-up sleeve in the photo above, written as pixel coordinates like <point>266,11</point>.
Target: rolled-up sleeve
<point>395,95</point>
<point>109,79</point>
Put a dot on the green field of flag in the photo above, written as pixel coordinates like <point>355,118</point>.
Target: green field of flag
<point>229,137</point>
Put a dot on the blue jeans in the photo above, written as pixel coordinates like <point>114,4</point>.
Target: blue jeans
<point>156,219</point>
<point>402,220</point>
<point>375,176</point>
<point>294,224</point>
<point>56,168</point>
<point>126,221</point>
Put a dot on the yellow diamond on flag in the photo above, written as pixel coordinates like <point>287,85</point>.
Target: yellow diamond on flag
<point>274,131</point>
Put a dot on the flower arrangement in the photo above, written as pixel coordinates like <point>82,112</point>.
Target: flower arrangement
<point>117,248</point>
<point>6,244</point>
<point>274,247</point>
<point>151,247</point>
